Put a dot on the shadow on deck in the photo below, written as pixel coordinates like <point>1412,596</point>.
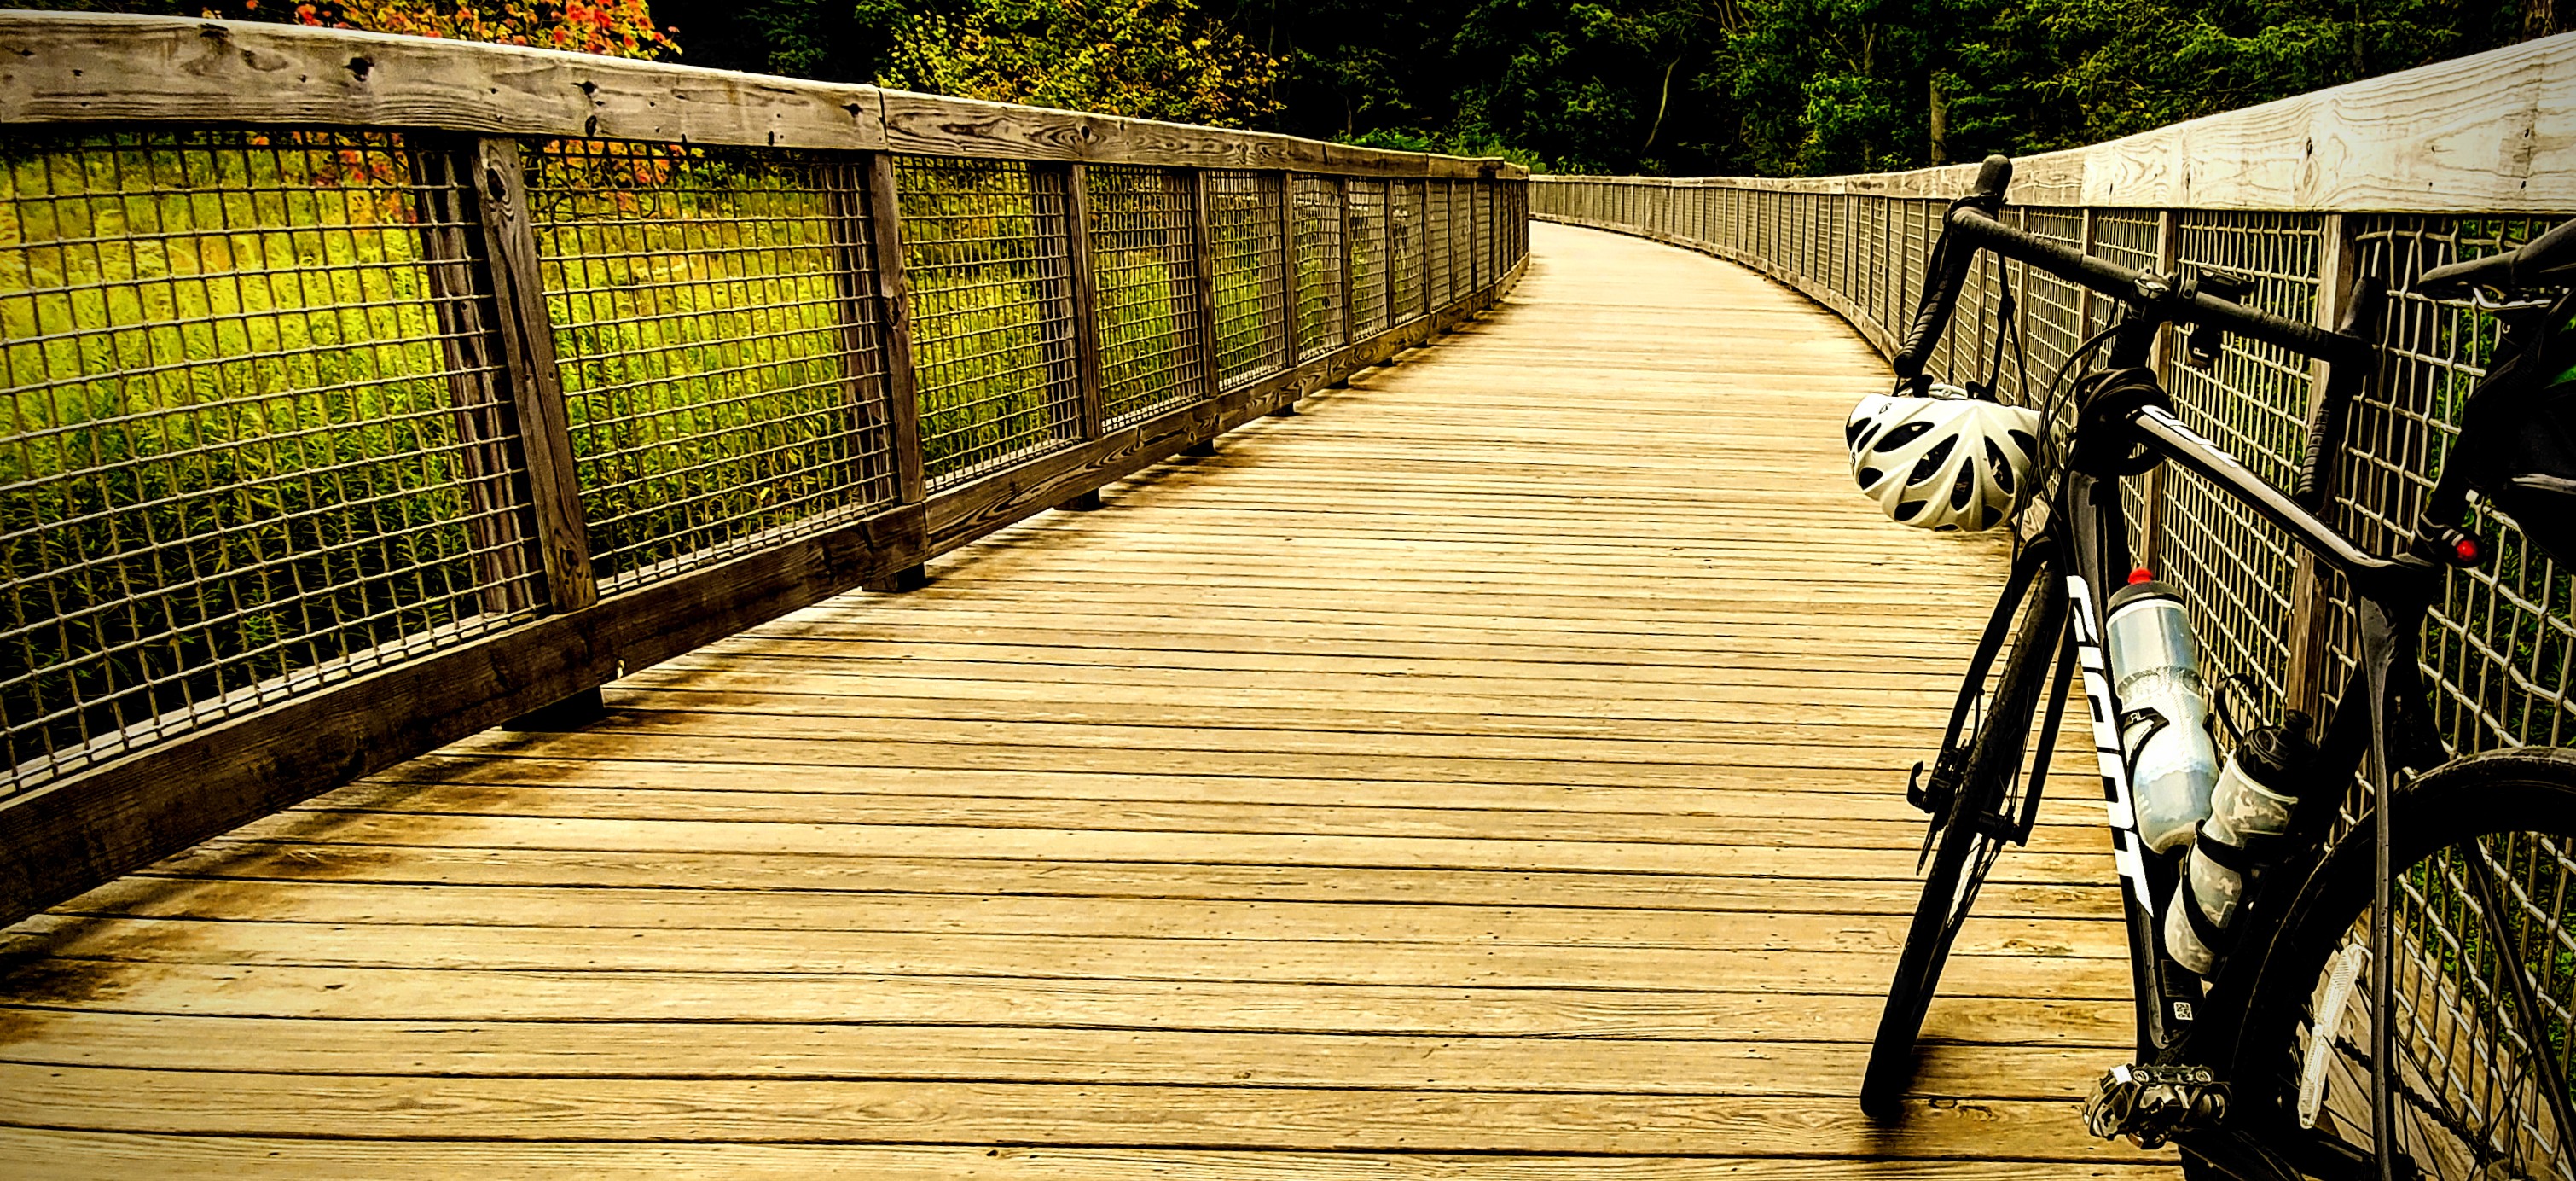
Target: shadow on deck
<point>1492,771</point>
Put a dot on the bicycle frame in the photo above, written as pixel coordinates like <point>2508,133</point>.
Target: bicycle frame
<point>2126,429</point>
<point>2090,538</point>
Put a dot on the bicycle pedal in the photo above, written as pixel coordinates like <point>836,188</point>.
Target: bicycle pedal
<point>2150,1105</point>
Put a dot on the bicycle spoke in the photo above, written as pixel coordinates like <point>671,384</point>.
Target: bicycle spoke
<point>2526,1009</point>
<point>2459,1074</point>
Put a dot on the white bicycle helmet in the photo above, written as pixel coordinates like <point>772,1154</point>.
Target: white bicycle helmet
<point>1945,462</point>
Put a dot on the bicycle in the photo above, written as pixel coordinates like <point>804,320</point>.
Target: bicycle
<point>2264,1068</point>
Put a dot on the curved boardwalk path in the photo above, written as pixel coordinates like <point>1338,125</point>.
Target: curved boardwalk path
<point>1492,772</point>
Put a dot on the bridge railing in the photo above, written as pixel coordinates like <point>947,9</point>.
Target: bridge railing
<point>2388,177</point>
<point>364,392</point>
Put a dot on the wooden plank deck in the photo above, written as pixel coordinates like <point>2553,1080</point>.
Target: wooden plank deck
<point>1491,772</point>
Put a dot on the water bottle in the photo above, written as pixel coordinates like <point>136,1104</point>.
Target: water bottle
<point>2253,801</point>
<point>2164,711</point>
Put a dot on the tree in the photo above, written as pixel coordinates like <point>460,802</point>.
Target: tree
<point>1158,59</point>
<point>1585,83</point>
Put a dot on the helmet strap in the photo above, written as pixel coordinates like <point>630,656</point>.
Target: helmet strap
<point>2009,316</point>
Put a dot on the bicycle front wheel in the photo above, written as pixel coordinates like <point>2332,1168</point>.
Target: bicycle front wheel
<point>2484,969</point>
<point>1990,741</point>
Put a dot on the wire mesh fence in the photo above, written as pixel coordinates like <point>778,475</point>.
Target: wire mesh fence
<point>2235,569</point>
<point>2497,648</point>
<point>1320,294</point>
<point>263,434</point>
<point>1365,238</point>
<point>1246,241</point>
<point>1143,266</point>
<point>1435,244</point>
<point>984,244</point>
<point>258,440</point>
<point>1404,250</point>
<point>324,444</point>
<point>721,364</point>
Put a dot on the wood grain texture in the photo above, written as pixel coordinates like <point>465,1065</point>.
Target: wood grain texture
<point>93,68</point>
<point>78,1156</point>
<point>1494,770</point>
<point>90,68</point>
<point>527,335</point>
<point>2490,133</point>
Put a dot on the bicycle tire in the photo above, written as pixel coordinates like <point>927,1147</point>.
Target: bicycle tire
<point>2512,807</point>
<point>1996,740</point>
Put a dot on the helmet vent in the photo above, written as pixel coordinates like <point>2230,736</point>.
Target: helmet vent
<point>1869,476</point>
<point>2000,466</point>
<point>1965,488</point>
<point>1931,461</point>
<point>1903,434</point>
<point>1906,511</point>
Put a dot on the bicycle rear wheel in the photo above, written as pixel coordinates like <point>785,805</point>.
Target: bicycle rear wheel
<point>1976,804</point>
<point>2485,981</point>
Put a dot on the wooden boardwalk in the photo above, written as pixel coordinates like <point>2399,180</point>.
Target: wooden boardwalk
<point>1494,771</point>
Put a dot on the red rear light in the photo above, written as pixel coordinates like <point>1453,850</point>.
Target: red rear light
<point>2469,551</point>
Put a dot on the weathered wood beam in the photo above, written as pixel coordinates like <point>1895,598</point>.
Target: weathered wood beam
<point>70,68</point>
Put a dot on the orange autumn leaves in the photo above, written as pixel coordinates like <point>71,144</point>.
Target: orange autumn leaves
<point>615,28</point>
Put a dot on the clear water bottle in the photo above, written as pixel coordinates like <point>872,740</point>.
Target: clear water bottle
<point>2255,796</point>
<point>2164,711</point>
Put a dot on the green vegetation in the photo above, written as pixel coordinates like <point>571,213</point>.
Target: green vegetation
<point>231,452</point>
<point>257,431</point>
<point>699,308</point>
<point>1143,271</point>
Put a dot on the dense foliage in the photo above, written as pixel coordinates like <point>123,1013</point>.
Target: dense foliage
<point>1684,86</point>
<point>1767,86</point>
<point>1155,58</point>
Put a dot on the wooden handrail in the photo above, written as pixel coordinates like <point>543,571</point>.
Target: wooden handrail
<point>2494,132</point>
<point>104,68</point>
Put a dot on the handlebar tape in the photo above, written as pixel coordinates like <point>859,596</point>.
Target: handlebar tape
<point>2325,427</point>
<point>1948,271</point>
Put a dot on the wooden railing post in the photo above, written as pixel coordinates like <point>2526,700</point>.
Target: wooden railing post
<point>536,386</point>
<point>2084,297</point>
<point>2151,515</point>
<point>1475,239</point>
<point>894,319</point>
<point>1422,235</point>
<point>1203,282</point>
<point>2303,683</point>
<point>1350,318</point>
<point>1387,203</point>
<point>478,381</point>
<point>1085,291</point>
<point>1288,344</point>
<point>536,392</point>
<point>845,187</point>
